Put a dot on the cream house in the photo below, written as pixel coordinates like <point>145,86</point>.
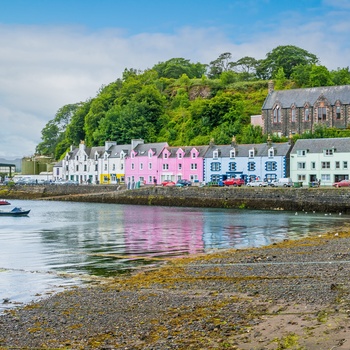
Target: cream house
<point>327,160</point>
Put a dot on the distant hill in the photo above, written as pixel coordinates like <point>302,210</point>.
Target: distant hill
<point>17,162</point>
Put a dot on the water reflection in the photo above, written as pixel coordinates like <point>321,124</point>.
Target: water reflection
<point>76,240</point>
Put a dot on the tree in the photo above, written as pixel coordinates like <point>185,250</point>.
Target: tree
<point>176,67</point>
<point>246,66</point>
<point>280,79</point>
<point>341,76</point>
<point>320,76</point>
<point>287,57</point>
<point>220,65</point>
<point>301,75</point>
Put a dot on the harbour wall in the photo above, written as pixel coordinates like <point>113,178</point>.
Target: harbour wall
<point>328,200</point>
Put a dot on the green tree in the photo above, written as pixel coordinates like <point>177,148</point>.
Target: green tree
<point>287,57</point>
<point>221,64</point>
<point>176,67</point>
<point>320,76</point>
<point>280,79</point>
<point>341,76</point>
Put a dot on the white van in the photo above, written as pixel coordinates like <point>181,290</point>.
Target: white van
<point>283,182</point>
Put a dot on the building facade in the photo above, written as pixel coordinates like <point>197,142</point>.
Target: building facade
<point>327,160</point>
<point>250,162</point>
<point>296,111</point>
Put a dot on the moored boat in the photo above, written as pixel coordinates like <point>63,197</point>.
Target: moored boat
<point>4,202</point>
<point>14,212</point>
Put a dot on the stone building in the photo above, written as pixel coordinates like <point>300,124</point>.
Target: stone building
<point>295,111</point>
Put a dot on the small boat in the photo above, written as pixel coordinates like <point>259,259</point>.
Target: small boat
<point>4,202</point>
<point>14,212</point>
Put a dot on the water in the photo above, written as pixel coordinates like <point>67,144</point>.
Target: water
<point>63,244</point>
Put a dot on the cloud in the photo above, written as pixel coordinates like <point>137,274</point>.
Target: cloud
<point>43,68</point>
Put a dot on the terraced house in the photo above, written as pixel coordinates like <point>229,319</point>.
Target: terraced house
<point>266,161</point>
<point>327,160</point>
<point>295,111</point>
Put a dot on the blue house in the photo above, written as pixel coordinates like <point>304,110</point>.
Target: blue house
<point>265,161</point>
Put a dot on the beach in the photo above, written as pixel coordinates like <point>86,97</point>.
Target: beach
<point>290,295</point>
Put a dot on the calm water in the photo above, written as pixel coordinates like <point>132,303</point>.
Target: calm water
<point>61,244</point>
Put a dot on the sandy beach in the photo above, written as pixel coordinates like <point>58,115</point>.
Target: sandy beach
<point>291,295</point>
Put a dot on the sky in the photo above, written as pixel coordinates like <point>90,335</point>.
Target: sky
<point>58,52</point>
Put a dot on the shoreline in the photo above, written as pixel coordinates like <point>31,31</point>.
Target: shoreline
<point>293,293</point>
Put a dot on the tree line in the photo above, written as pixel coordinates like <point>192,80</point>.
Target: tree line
<point>186,103</point>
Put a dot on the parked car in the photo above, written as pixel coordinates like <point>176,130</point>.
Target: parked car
<point>283,182</point>
<point>257,183</point>
<point>183,183</point>
<point>168,183</point>
<point>233,182</point>
<point>342,183</point>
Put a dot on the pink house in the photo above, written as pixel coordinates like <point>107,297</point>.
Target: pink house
<point>142,162</point>
<point>182,163</point>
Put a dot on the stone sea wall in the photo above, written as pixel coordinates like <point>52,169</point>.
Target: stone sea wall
<point>298,199</point>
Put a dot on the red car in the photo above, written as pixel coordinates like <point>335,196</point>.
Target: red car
<point>168,183</point>
<point>342,183</point>
<point>233,182</point>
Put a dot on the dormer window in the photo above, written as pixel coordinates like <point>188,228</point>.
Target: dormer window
<point>193,155</point>
<point>232,153</point>
<point>328,152</point>
<point>251,153</point>
<point>301,152</point>
<point>271,152</point>
<point>179,155</point>
<point>77,157</point>
<point>165,155</point>
<point>132,155</point>
<point>122,155</point>
<point>215,154</point>
<point>96,156</point>
<point>150,154</point>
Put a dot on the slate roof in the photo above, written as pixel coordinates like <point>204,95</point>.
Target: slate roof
<point>142,149</point>
<point>115,150</point>
<point>187,149</point>
<point>261,149</point>
<point>341,145</point>
<point>300,96</point>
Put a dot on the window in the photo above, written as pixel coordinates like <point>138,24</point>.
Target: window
<point>165,155</point>
<point>325,177</point>
<point>150,179</point>
<point>77,158</point>
<point>321,113</point>
<point>277,115</point>
<point>232,153</point>
<point>132,155</point>
<point>306,115</point>
<point>215,166</point>
<point>77,168</point>
<point>96,167</point>
<point>251,153</point>
<point>66,168</point>
<point>271,166</point>
<point>301,177</point>
<point>345,165</point>
<point>293,115</point>
<point>105,167</point>
<point>301,165</point>
<point>132,166</point>
<point>121,166</point>
<point>180,166</point>
<point>165,166</point>
<point>149,166</point>
<point>150,154</point>
<point>193,155</point>
<point>251,166</point>
<point>193,166</point>
<point>325,165</point>
<point>301,152</point>
<point>96,156</point>
<point>337,165</point>
<point>85,158</point>
<point>113,167</point>
<point>271,152</point>
<point>179,155</point>
<point>337,112</point>
<point>85,167</point>
<point>215,178</point>
<point>313,165</point>
<point>141,166</point>
<point>328,152</point>
<point>232,166</point>
<point>215,154</point>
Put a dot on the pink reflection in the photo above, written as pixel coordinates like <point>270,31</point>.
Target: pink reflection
<point>157,230</point>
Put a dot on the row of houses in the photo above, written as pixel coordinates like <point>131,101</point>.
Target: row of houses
<point>305,161</point>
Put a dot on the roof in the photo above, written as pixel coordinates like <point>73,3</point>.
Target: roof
<point>299,97</point>
<point>341,144</point>
<point>261,149</point>
<point>142,148</point>
<point>187,150</point>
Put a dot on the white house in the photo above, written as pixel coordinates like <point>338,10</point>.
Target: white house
<point>327,160</point>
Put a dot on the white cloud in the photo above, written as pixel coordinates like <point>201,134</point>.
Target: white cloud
<point>44,68</point>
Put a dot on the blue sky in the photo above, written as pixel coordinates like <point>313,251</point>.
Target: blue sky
<point>56,52</point>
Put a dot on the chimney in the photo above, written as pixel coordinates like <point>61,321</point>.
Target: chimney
<point>135,143</point>
<point>233,141</point>
<point>109,144</point>
<point>270,86</point>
